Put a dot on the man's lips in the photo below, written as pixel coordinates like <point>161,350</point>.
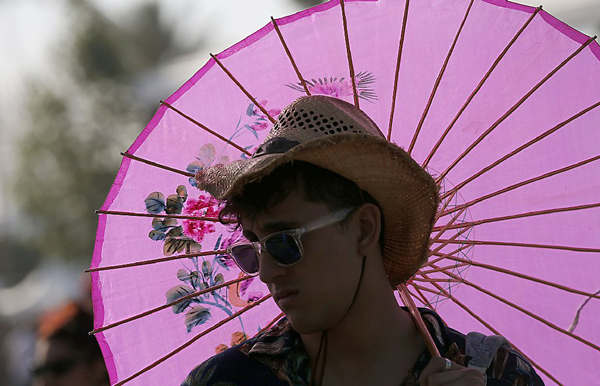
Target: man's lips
<point>284,293</point>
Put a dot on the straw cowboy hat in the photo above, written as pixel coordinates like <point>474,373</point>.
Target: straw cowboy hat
<point>337,136</point>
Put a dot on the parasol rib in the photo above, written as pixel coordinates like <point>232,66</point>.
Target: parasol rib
<point>479,86</point>
<point>422,296</point>
<point>414,295</point>
<point>189,342</point>
<point>289,55</point>
<point>397,73</point>
<point>521,148</point>
<point>447,202</point>
<point>525,245</point>
<point>442,256</point>
<point>515,107</point>
<point>154,261</point>
<point>214,133</point>
<point>521,215</point>
<point>523,276</point>
<point>493,330</point>
<point>449,224</point>
<point>446,242</point>
<point>164,306</point>
<point>420,287</point>
<point>439,79</point>
<point>237,83</point>
<point>156,164</point>
<point>418,320</point>
<point>434,270</point>
<point>523,183</point>
<point>138,214</point>
<point>426,280</point>
<point>521,309</point>
<point>349,52</point>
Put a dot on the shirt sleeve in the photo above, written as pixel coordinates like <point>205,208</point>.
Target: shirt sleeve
<point>509,368</point>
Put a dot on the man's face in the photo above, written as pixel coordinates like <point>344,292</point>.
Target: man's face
<point>316,292</point>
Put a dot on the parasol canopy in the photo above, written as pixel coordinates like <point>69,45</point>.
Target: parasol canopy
<point>498,101</point>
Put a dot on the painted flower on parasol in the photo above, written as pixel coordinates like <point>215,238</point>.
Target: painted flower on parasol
<point>340,87</point>
<point>199,274</point>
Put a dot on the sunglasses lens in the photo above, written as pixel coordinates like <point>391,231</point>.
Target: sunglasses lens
<point>283,248</point>
<point>245,256</point>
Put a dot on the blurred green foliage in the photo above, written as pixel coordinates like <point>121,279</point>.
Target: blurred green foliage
<point>79,122</point>
<point>81,119</point>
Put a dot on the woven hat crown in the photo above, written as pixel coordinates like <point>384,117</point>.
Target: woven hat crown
<point>315,117</point>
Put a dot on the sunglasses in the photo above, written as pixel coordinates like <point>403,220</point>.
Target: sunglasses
<point>285,246</point>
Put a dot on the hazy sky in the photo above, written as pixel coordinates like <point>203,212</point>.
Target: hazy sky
<point>29,28</point>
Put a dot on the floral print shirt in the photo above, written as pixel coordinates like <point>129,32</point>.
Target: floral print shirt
<point>277,358</point>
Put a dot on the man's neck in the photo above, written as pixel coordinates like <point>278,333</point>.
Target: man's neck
<point>373,335</point>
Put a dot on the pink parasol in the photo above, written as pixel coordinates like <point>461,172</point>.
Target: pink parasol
<point>498,101</point>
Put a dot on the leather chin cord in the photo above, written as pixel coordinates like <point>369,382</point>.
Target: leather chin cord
<point>324,340</point>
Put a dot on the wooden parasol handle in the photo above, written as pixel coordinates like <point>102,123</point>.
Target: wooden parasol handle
<point>414,312</point>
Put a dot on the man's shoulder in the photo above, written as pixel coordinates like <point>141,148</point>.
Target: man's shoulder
<point>507,366</point>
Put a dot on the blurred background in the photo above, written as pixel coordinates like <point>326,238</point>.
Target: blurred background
<point>79,79</point>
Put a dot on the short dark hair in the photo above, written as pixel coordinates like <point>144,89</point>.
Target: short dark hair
<point>317,184</point>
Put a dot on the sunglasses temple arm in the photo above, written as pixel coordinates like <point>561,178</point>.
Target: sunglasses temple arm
<point>326,221</point>
<point>416,315</point>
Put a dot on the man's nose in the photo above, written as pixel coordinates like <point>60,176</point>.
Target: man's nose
<point>268,269</point>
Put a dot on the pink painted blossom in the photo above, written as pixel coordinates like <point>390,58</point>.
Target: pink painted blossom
<point>263,123</point>
<point>204,206</point>
<point>259,126</point>
<point>336,88</point>
<point>234,238</point>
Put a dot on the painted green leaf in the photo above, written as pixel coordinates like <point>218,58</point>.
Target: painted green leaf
<point>196,316</point>
<point>195,167</point>
<point>193,247</point>
<point>163,225</point>
<point>157,235</point>
<point>250,110</point>
<point>182,192</point>
<point>207,154</point>
<point>176,232</point>
<point>219,279</point>
<point>174,204</point>
<point>178,292</point>
<point>175,243</point>
<point>206,268</point>
<point>155,202</point>
<point>202,286</point>
<point>190,277</point>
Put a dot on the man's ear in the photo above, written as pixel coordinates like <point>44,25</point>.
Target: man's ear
<point>369,220</point>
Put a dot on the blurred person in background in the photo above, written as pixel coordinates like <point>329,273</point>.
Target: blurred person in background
<point>65,355</point>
